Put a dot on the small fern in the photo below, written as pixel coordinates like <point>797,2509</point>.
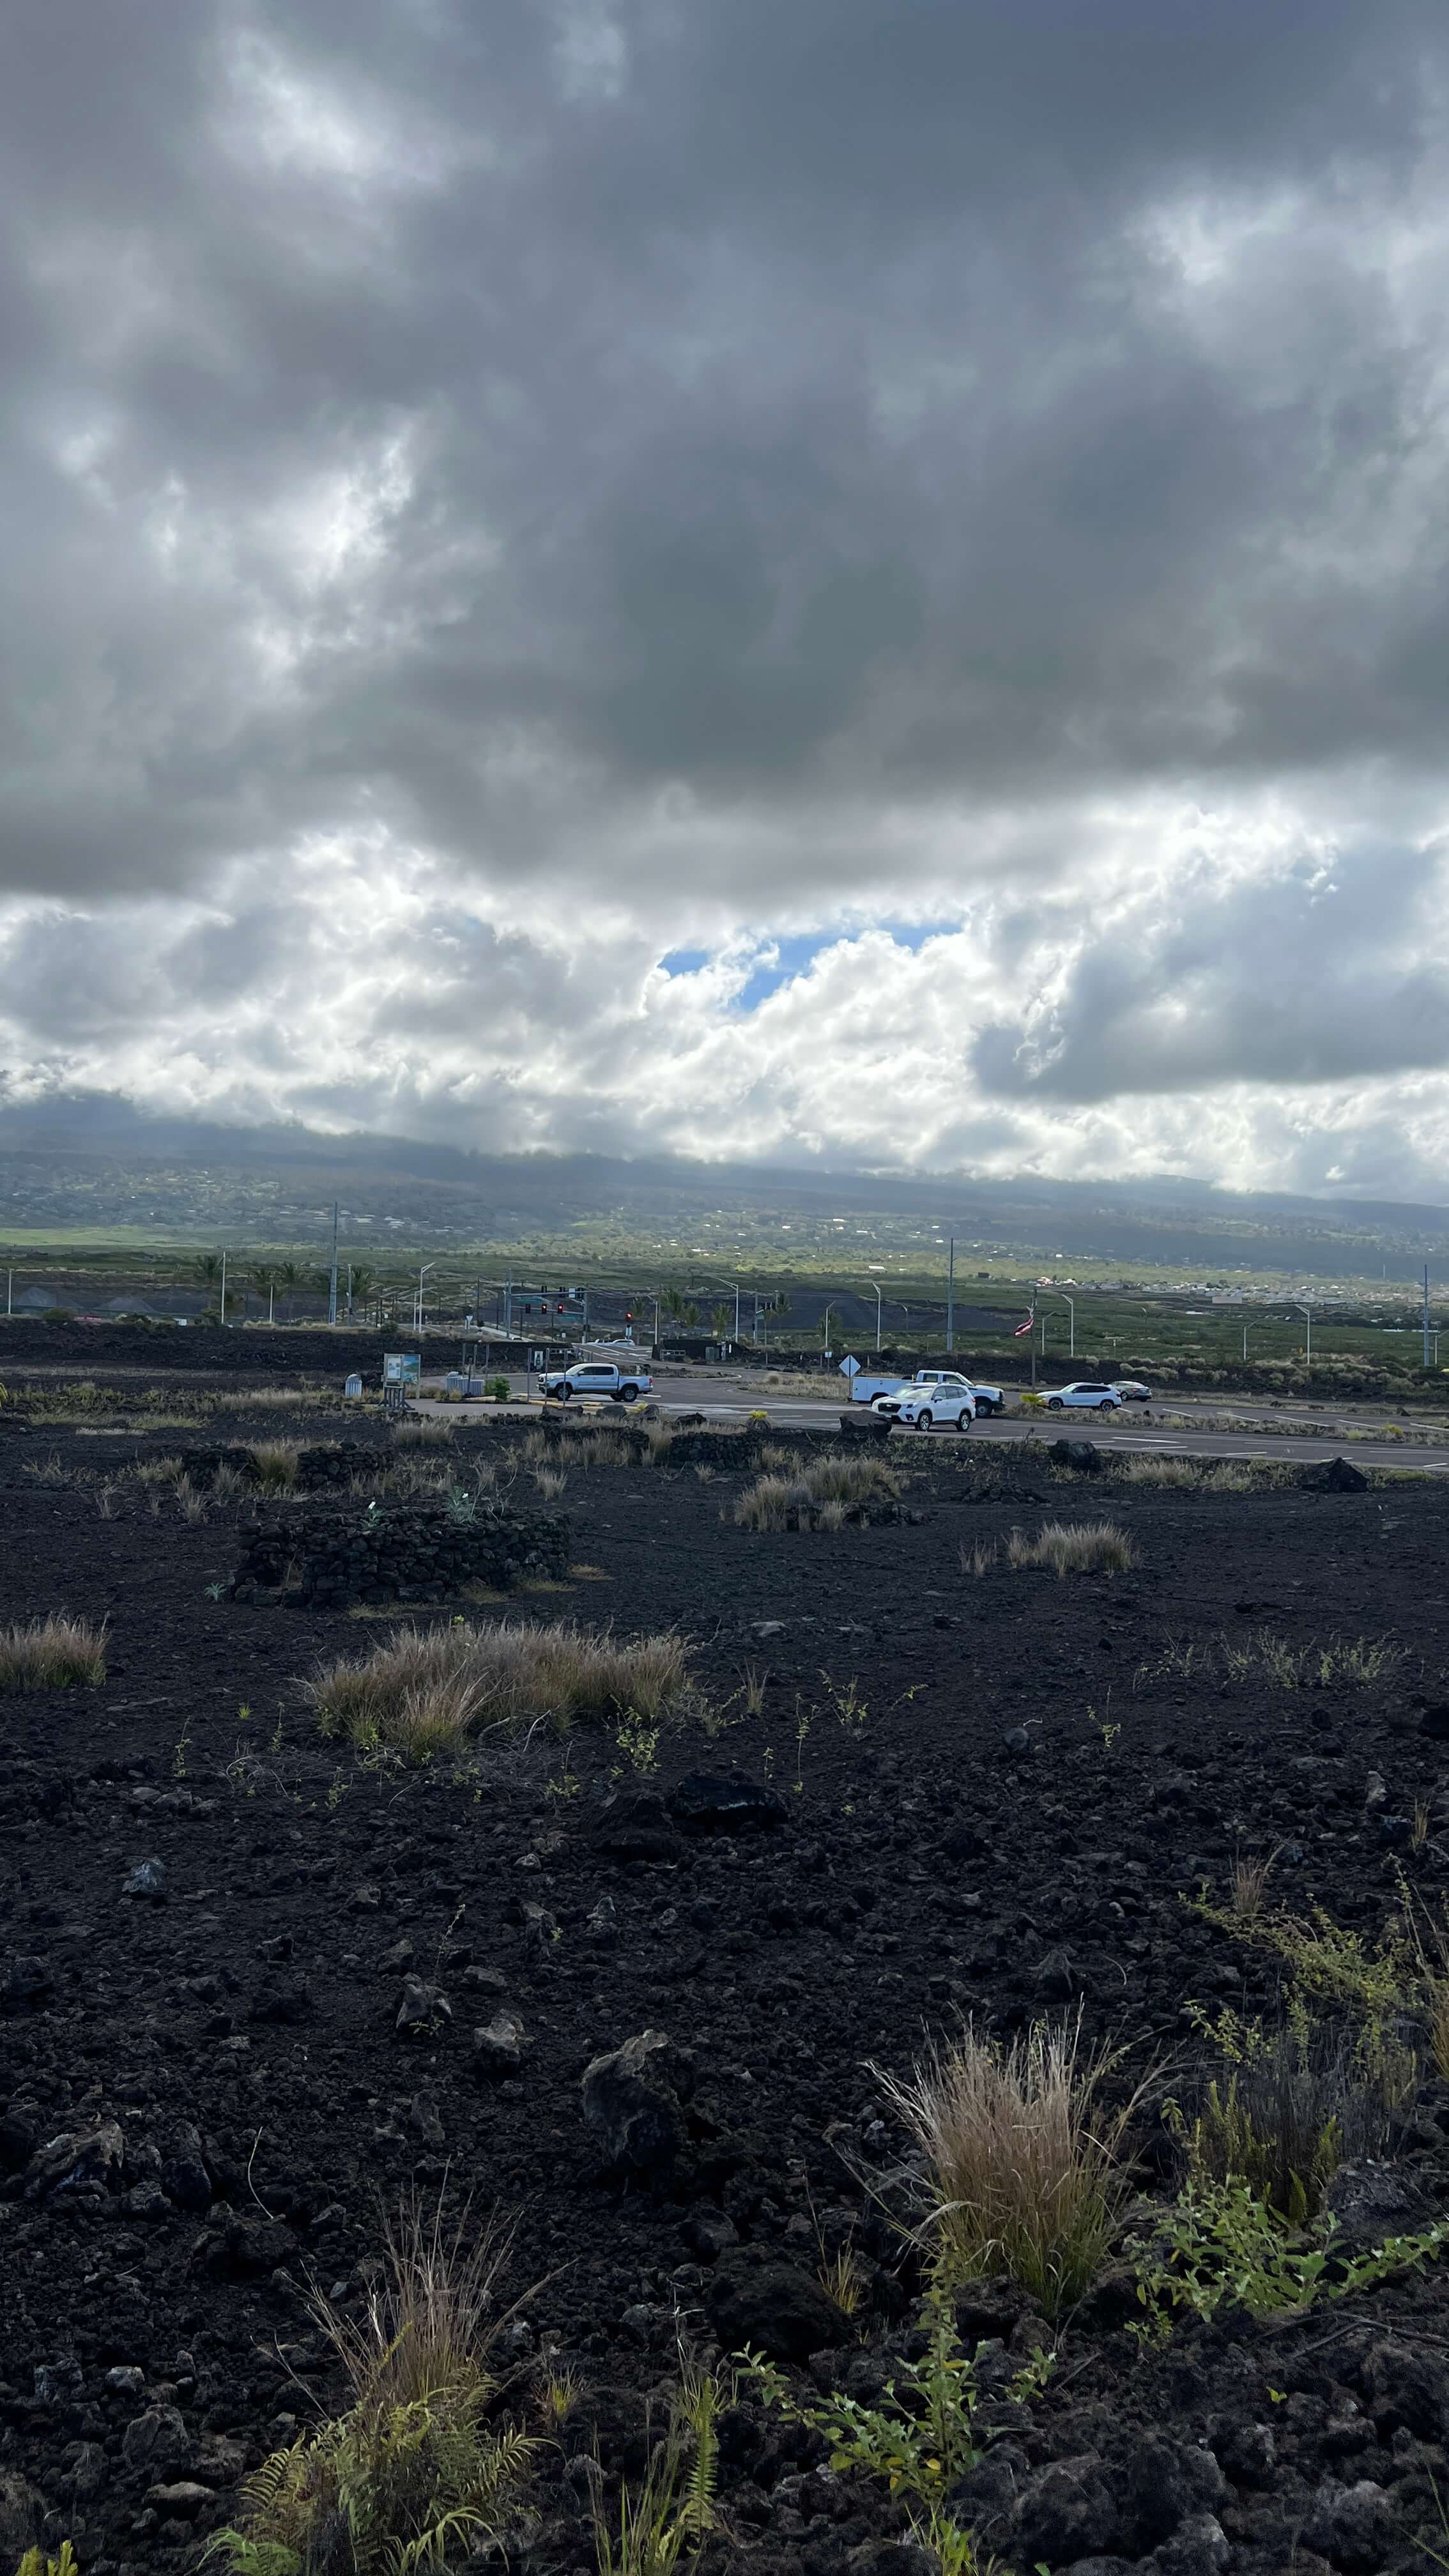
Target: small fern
<point>35,2561</point>
<point>414,2473</point>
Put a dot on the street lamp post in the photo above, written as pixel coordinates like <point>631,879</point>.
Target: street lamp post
<point>824,1335</point>
<point>871,1283</point>
<point>1071,1304</point>
<point>418,1307</point>
<point>1307,1311</point>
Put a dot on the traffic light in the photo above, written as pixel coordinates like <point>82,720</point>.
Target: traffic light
<point>628,1314</point>
<point>558,1310</point>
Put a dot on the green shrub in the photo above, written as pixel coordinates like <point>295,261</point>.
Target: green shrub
<point>1219,2243</point>
<point>920,2435</point>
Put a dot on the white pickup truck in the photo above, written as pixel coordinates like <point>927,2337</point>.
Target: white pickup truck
<point>598,1377</point>
<point>886,1393</point>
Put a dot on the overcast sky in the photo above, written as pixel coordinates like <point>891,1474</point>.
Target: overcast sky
<point>861,579</point>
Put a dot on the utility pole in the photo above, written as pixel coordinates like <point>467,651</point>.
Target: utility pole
<point>332,1281</point>
<point>1245,1341</point>
<point>1308,1312</point>
<point>508,1307</point>
<point>951,1299</point>
<point>223,1287</point>
<point>1426,1314</point>
<point>877,1314</point>
<point>349,1292</point>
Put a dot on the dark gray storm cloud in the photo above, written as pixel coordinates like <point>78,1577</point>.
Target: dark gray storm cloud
<point>675,467</point>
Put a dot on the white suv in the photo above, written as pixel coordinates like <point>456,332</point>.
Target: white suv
<point>1087,1393</point>
<point>920,1406</point>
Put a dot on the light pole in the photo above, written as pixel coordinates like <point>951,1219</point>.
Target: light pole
<point>824,1336</point>
<point>1070,1302</point>
<point>418,1306</point>
<point>870,1283</point>
<point>951,1299</point>
<point>1308,1312</point>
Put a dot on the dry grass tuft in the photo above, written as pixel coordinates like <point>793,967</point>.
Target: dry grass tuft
<point>192,1505</point>
<point>421,1431</point>
<point>979,1558</point>
<point>551,1482</point>
<point>51,1654</point>
<point>295,1398</point>
<point>159,1471</point>
<point>276,1464</point>
<point>819,1495</point>
<point>419,2466</point>
<point>770,1503</point>
<point>427,1690</point>
<point>1026,2176</point>
<point>1074,1547</point>
<point>1210,1475</point>
<point>582,1448</point>
<point>1250,1887</point>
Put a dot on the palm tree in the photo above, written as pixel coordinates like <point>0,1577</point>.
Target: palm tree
<point>262,1281</point>
<point>689,1315</point>
<point>359,1290</point>
<point>673,1305</point>
<point>207,1266</point>
<point>722,1320</point>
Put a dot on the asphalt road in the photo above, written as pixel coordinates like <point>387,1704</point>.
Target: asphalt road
<point>725,1397</point>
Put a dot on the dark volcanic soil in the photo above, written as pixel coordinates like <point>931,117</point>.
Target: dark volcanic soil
<point>241,2034</point>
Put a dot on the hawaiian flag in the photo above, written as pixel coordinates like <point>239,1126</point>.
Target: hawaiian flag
<point>1026,1327</point>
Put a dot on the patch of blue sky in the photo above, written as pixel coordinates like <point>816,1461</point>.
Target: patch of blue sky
<point>784,960</point>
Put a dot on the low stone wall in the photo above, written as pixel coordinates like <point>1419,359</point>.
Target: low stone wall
<point>400,1555</point>
<point>325,1463</point>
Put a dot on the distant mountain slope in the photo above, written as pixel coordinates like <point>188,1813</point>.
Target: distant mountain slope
<point>98,1162</point>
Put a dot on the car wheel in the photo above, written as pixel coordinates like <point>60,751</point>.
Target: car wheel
<point>627,1394</point>
<point>1054,1404</point>
<point>963,1421</point>
<point>924,1421</point>
<point>1106,1405</point>
<point>564,1393</point>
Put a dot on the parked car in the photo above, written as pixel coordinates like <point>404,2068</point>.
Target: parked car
<point>920,1407</point>
<point>598,1377</point>
<point>889,1398</point>
<point>1087,1393</point>
<point>1132,1390</point>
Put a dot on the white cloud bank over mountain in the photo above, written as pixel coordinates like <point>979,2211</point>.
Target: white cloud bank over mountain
<point>850,581</point>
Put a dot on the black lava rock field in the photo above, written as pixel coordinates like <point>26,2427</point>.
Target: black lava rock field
<point>639,1991</point>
